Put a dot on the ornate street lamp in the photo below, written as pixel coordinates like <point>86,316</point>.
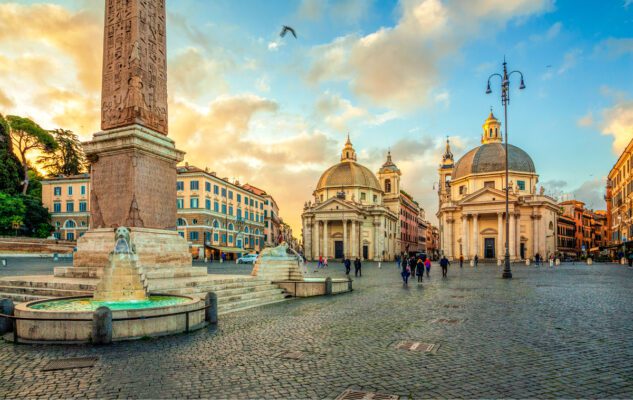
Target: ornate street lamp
<point>505,100</point>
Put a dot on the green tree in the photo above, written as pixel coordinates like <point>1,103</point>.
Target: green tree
<point>36,221</point>
<point>12,212</point>
<point>35,184</point>
<point>10,169</point>
<point>28,136</point>
<point>68,158</point>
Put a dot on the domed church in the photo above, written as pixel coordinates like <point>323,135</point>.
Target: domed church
<point>348,216</point>
<point>472,202</point>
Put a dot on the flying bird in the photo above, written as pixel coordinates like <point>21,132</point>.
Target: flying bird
<point>548,66</point>
<point>287,29</point>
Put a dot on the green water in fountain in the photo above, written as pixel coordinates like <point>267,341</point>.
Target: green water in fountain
<point>88,304</point>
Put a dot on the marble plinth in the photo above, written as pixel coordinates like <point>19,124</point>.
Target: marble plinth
<point>121,281</point>
<point>277,269</point>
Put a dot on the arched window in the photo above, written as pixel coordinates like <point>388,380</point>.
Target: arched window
<point>256,231</point>
<point>181,222</point>
<point>497,131</point>
<point>230,227</point>
<point>388,185</point>
<point>70,224</point>
<point>246,229</point>
<point>551,226</point>
<point>490,132</point>
<point>347,154</point>
<point>216,224</point>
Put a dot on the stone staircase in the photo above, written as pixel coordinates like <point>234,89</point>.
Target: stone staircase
<point>235,292</point>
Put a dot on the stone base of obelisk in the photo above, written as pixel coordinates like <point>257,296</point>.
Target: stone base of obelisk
<point>133,184</point>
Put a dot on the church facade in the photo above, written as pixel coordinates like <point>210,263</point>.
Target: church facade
<point>471,210</point>
<point>348,217</point>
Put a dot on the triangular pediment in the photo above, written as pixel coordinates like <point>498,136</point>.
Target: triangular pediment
<point>335,204</point>
<point>487,195</point>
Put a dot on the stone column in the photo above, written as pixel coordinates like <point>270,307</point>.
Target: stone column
<point>377,247</point>
<point>512,236</point>
<point>307,238</point>
<point>535,234</point>
<point>476,235</point>
<point>500,244</point>
<point>543,236</point>
<point>325,239</point>
<point>465,236</point>
<point>353,240</point>
<point>517,235</point>
<point>345,252</point>
<point>451,239</point>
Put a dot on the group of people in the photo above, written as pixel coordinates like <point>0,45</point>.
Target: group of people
<point>417,265</point>
<point>322,263</point>
<point>357,267</point>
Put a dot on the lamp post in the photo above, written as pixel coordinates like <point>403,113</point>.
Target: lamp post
<point>505,100</point>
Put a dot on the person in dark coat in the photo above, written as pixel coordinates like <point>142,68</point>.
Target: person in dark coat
<point>357,266</point>
<point>348,265</point>
<point>419,270</point>
<point>406,271</point>
<point>444,263</point>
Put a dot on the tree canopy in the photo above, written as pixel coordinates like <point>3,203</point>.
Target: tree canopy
<point>68,158</point>
<point>10,168</point>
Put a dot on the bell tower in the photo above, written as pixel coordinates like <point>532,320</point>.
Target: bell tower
<point>389,177</point>
<point>445,172</point>
<point>492,130</point>
<point>348,153</point>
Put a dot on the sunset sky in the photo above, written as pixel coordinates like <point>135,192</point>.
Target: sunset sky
<point>403,75</point>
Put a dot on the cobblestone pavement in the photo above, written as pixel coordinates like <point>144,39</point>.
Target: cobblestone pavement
<point>547,333</point>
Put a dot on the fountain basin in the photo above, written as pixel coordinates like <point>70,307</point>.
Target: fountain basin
<point>57,328</point>
<point>309,287</point>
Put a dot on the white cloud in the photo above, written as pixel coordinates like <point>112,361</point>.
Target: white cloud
<point>570,59</point>
<point>615,47</point>
<point>586,120</point>
<point>618,122</point>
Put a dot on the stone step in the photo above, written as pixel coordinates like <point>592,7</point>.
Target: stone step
<point>53,284</point>
<point>270,293</point>
<point>78,272</point>
<point>174,273</point>
<point>48,292</point>
<point>206,282</point>
<point>195,291</point>
<point>20,298</point>
<point>246,304</point>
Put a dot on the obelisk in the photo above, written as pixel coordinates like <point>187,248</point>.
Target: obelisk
<point>132,161</point>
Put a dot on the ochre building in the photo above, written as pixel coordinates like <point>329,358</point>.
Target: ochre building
<point>472,203</point>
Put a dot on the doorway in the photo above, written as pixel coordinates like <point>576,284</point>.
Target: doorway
<point>338,249</point>
<point>489,248</point>
<point>522,251</point>
<point>365,252</point>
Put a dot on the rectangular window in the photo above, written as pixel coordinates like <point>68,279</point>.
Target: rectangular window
<point>230,238</point>
<point>462,189</point>
<point>266,224</point>
<point>255,203</point>
<point>223,192</point>
<point>193,202</point>
<point>207,186</point>
<point>265,213</point>
<point>375,199</point>
<point>193,235</point>
<point>230,210</point>
<point>180,186</point>
<point>223,208</point>
<point>83,190</point>
<point>180,203</point>
<point>70,206</point>
<point>82,206</point>
<point>245,200</point>
<point>261,206</point>
<point>216,206</point>
<point>252,202</point>
<point>489,184</point>
<point>363,196</point>
<point>521,185</point>
<point>207,204</point>
<point>215,189</point>
<point>57,191</point>
<point>193,185</point>
<point>239,197</point>
<point>70,190</point>
<point>70,236</point>
<point>224,238</point>
<point>239,213</point>
<point>57,207</point>
<point>216,237</point>
<point>182,234</point>
<point>230,195</point>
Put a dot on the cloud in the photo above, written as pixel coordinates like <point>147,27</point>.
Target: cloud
<point>614,47</point>
<point>347,11</point>
<point>592,193</point>
<point>5,101</point>
<point>311,9</point>
<point>586,120</point>
<point>617,121</point>
<point>570,59</point>
<point>399,66</point>
<point>548,35</point>
<point>192,75</point>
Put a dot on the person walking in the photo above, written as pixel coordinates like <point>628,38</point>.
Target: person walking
<point>419,270</point>
<point>444,263</point>
<point>406,272</point>
<point>357,267</point>
<point>537,259</point>
<point>324,262</point>
<point>461,261</point>
<point>348,265</point>
<point>630,257</point>
<point>398,261</point>
<point>551,261</point>
<point>476,260</point>
<point>319,264</point>
<point>427,265</point>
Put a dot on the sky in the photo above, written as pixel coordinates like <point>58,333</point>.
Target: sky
<point>399,75</point>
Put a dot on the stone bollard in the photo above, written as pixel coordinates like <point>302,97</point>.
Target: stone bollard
<point>6,324</point>
<point>528,262</point>
<point>102,326</point>
<point>589,261</point>
<point>328,286</point>
<point>211,313</point>
<point>349,284</point>
<point>557,261</point>
<point>4,262</point>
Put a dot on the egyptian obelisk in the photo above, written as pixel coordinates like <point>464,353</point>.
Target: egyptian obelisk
<point>132,161</point>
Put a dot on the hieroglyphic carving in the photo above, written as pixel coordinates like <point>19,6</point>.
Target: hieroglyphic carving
<point>134,86</point>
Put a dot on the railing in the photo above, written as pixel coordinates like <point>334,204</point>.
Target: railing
<point>212,319</point>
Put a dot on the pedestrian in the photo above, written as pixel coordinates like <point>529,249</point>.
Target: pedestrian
<point>325,262</point>
<point>357,266</point>
<point>537,259</point>
<point>461,261</point>
<point>551,261</point>
<point>476,260</point>
<point>427,265</point>
<point>398,261</point>
<point>319,264</point>
<point>630,259</point>
<point>406,272</point>
<point>444,263</point>
<point>223,257</point>
<point>348,266</point>
<point>412,265</point>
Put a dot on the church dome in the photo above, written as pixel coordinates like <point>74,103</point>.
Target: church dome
<point>347,174</point>
<point>490,157</point>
